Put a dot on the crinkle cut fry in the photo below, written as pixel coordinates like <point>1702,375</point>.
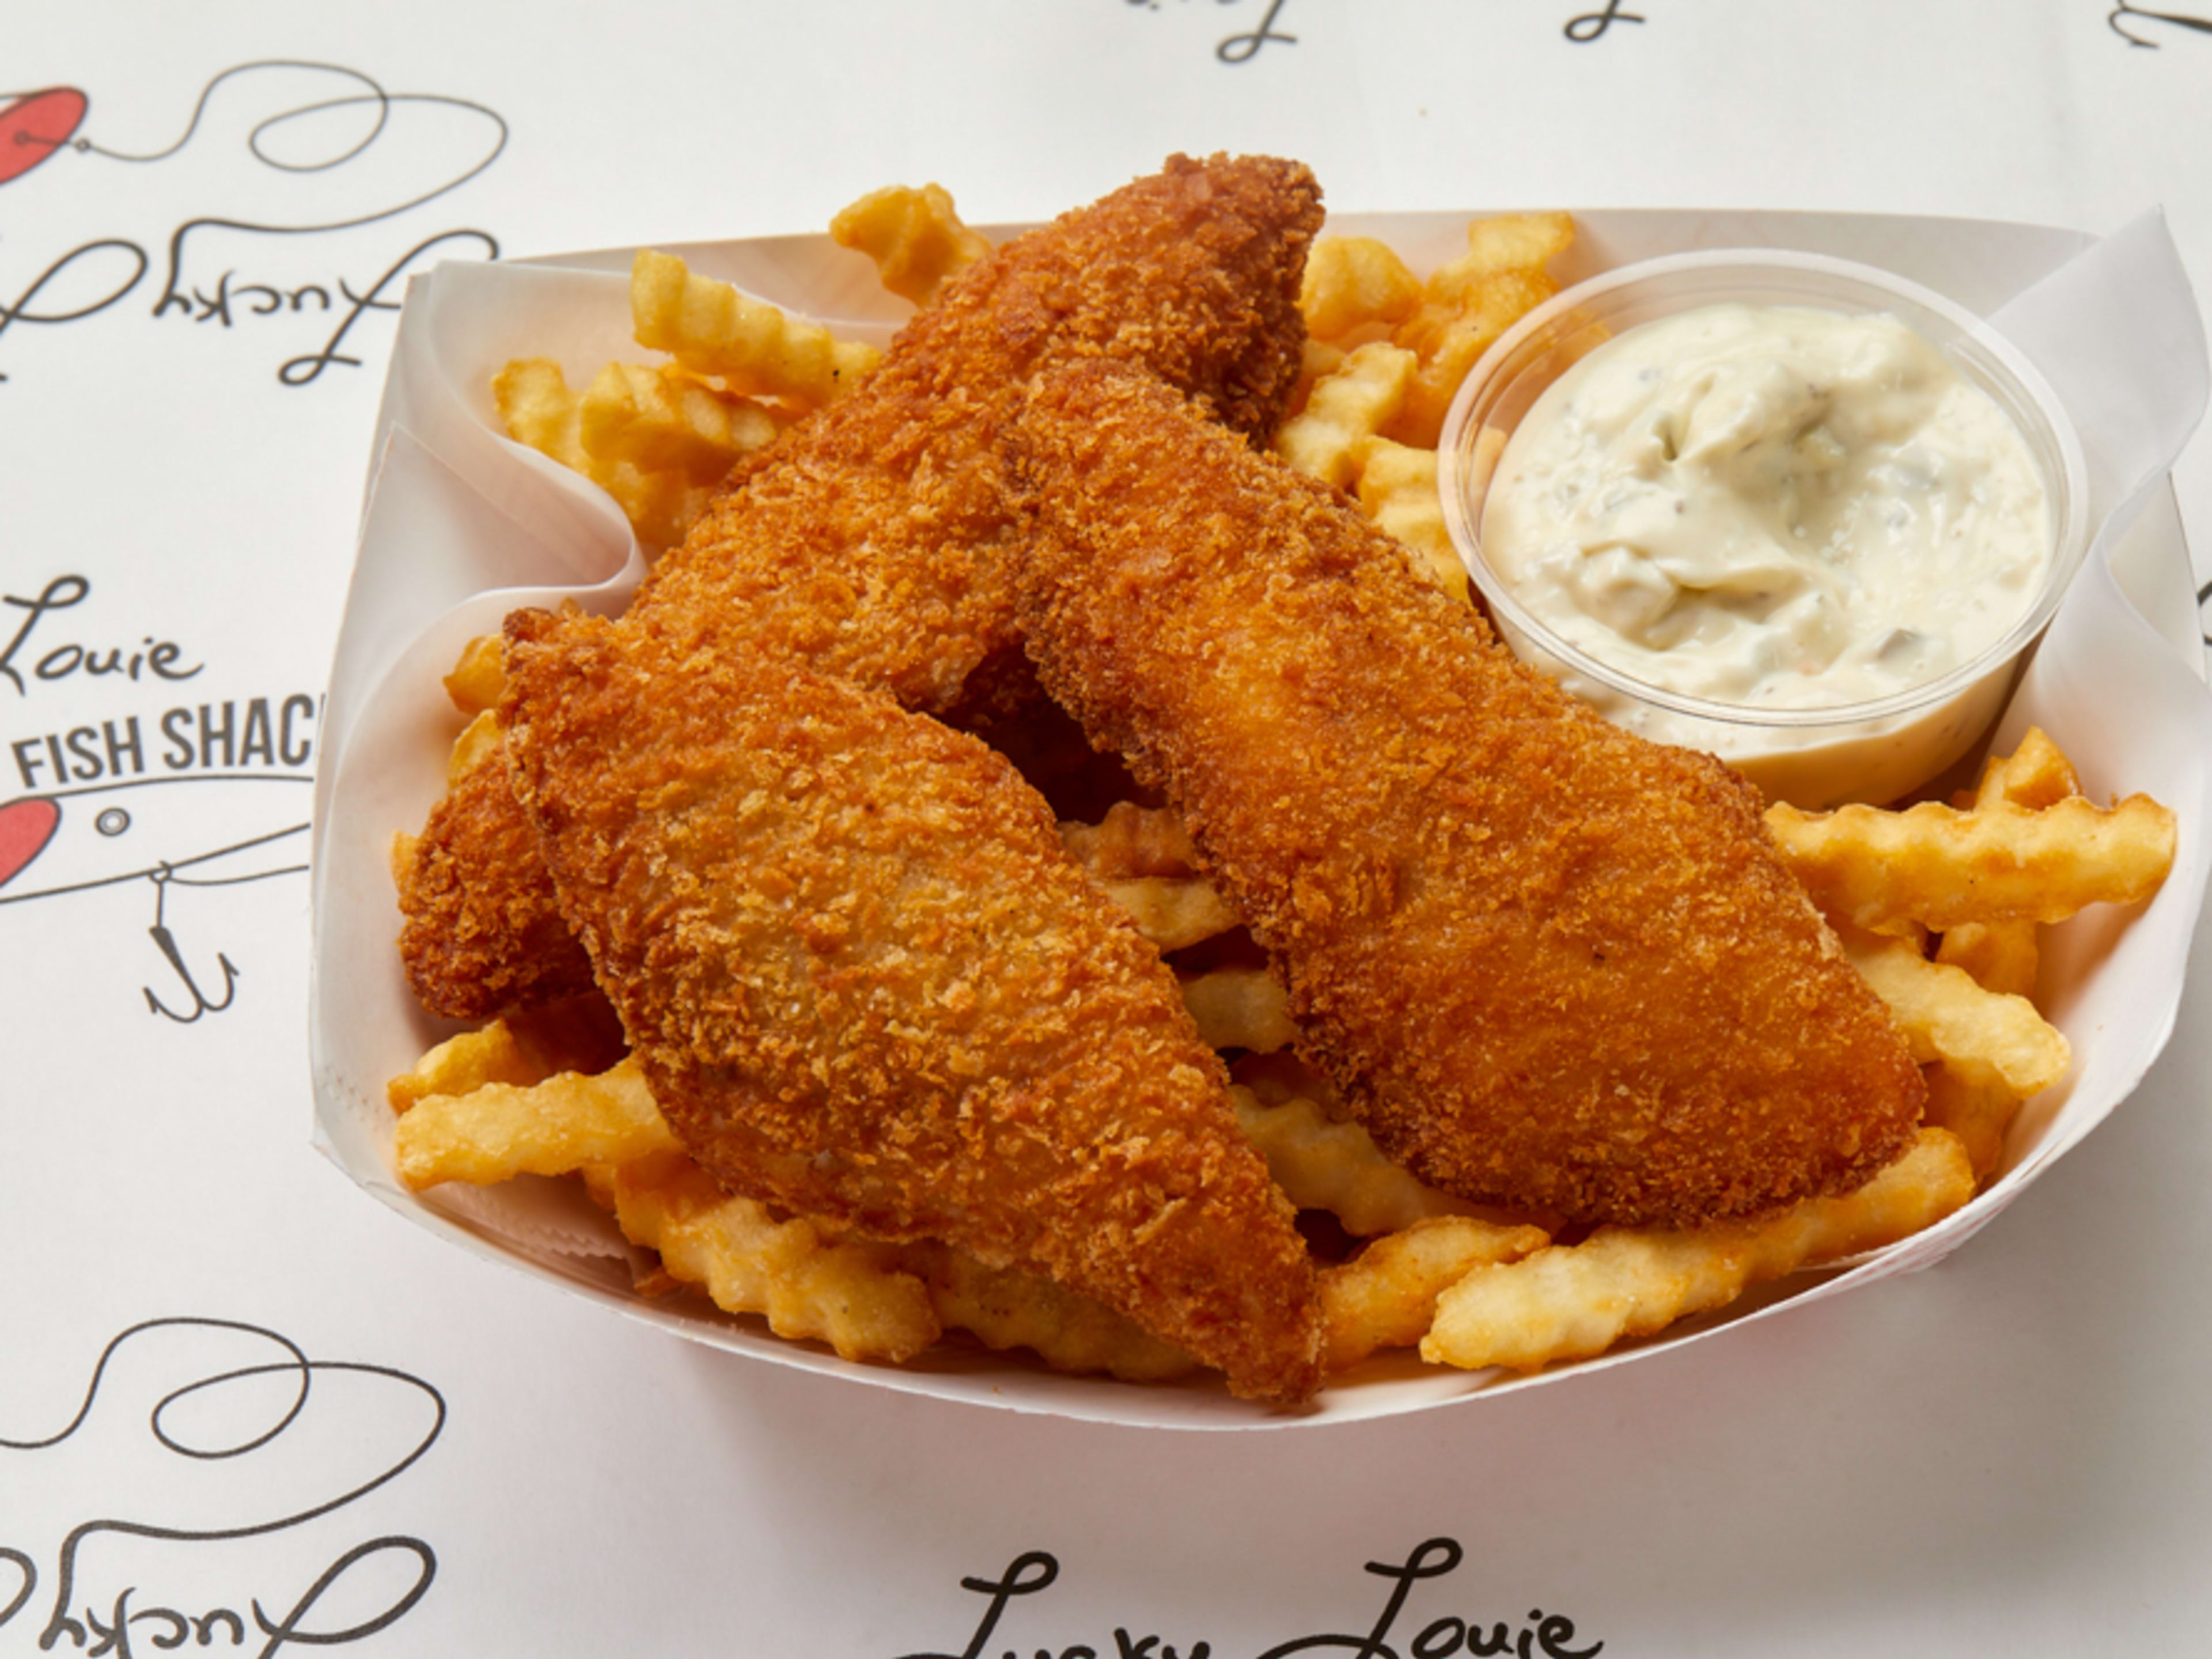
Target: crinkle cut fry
<point>849,1294</point>
<point>1572,1301</point>
<point>580,1036</point>
<point>870,540</point>
<point>1936,866</point>
<point>1550,964</point>
<point>502,1129</point>
<point>1324,1165</point>
<point>866,984</point>
<point>754,348</point>
<point>1386,1295</point>
<point>915,235</point>
<point>1945,1016</point>
<point>2001,955</point>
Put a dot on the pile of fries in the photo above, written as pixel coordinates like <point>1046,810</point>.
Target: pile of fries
<point>1938,905</point>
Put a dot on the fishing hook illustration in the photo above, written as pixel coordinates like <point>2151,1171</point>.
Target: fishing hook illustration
<point>167,941</point>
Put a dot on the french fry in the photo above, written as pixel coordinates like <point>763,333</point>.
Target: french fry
<point>1575,1301</point>
<point>1449,335</point>
<point>748,345</point>
<point>549,1127</point>
<point>578,1034</point>
<point>540,409</point>
<point>2035,776</point>
<point>1507,242</point>
<point>1353,284</point>
<point>1386,1295</point>
<point>1345,409</point>
<point>1998,955</point>
<point>599,1181</point>
<point>2001,955</point>
<point>479,677</point>
<point>1142,859</point>
<point>1945,1016</point>
<point>1275,1079</point>
<point>1005,1308</point>
<point>1321,1164</point>
<point>915,236</point>
<point>1131,841</point>
<point>661,506</point>
<point>1935,866</point>
<point>1239,1008</point>
<point>661,420</point>
<point>466,1063</point>
<point>1173,912</point>
<point>1398,491</point>
<point>1978,1109</point>
<point>1467,305</point>
<point>852,1295</point>
<point>1316,358</point>
<point>478,744</point>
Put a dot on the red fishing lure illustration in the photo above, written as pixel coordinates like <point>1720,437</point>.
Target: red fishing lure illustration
<point>35,125</point>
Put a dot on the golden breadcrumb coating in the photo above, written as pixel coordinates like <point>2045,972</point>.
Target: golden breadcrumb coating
<point>1550,963</point>
<point>483,930</point>
<point>866,984</point>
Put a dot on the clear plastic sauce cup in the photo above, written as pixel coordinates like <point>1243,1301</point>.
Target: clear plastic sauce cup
<point>1878,749</point>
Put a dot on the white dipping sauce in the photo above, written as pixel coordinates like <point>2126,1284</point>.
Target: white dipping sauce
<point>1771,506</point>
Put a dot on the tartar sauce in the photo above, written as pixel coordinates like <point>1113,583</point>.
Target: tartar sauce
<point>1770,506</point>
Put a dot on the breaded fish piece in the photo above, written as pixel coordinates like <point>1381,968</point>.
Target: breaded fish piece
<point>1549,963</point>
<point>867,985</point>
<point>870,540</point>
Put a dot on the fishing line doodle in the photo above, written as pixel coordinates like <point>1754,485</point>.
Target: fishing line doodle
<point>376,1422</point>
<point>2178,20</point>
<point>294,129</point>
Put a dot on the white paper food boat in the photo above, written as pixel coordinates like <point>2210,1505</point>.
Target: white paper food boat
<point>460,526</point>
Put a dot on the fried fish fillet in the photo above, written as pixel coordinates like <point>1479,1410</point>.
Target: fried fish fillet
<point>866,984</point>
<point>871,540</point>
<point>1549,963</point>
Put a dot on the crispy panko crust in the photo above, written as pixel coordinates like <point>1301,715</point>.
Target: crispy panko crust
<point>869,541</point>
<point>866,984</point>
<point>484,929</point>
<point>1550,963</point>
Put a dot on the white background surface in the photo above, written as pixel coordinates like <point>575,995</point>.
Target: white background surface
<point>2009,1453</point>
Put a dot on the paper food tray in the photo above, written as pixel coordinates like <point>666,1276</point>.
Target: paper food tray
<point>461,526</point>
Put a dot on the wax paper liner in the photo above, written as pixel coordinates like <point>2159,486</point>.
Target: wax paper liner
<point>461,526</point>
